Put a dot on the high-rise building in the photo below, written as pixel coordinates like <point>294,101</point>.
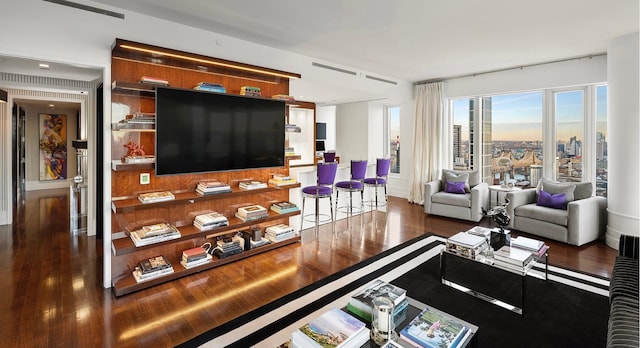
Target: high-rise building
<point>536,174</point>
<point>457,143</point>
<point>487,143</point>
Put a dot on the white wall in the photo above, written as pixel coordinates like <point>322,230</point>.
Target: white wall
<point>623,128</point>
<point>352,131</point>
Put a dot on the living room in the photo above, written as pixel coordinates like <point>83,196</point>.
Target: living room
<point>62,43</point>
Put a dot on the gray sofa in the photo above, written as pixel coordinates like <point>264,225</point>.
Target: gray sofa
<point>624,324</point>
<point>582,220</point>
<point>466,206</point>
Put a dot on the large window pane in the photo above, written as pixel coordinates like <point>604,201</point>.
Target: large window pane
<point>601,141</point>
<point>569,116</point>
<point>462,110</point>
<point>393,114</point>
<point>516,132</point>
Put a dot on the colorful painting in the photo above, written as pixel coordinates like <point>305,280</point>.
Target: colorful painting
<point>53,147</point>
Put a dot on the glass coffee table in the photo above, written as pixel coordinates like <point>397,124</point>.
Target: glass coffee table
<point>493,281</point>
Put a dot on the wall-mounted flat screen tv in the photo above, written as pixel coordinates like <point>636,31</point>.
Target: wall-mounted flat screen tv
<point>199,132</point>
<point>321,131</point>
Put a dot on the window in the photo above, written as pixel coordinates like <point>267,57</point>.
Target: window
<point>569,122</point>
<point>522,137</point>
<point>601,141</point>
<point>393,136</point>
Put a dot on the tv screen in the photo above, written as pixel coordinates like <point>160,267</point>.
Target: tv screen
<point>321,131</point>
<point>199,132</point>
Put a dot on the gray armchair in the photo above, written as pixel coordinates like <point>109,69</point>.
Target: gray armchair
<point>466,206</point>
<point>583,220</point>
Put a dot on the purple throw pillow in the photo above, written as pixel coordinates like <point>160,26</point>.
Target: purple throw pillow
<point>454,187</point>
<point>556,201</point>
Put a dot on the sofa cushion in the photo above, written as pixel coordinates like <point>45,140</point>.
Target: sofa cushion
<point>536,212</point>
<point>472,177</point>
<point>583,190</point>
<point>555,187</point>
<point>454,187</point>
<point>460,200</point>
<point>555,201</point>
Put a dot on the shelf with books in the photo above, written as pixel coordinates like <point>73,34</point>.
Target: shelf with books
<point>137,89</point>
<point>124,244</point>
<point>128,204</point>
<point>128,284</point>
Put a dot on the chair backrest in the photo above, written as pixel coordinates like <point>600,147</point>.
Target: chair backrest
<point>382,167</point>
<point>358,169</point>
<point>329,156</point>
<point>327,173</point>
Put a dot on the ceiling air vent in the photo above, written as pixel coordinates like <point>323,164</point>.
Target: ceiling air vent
<point>87,8</point>
<point>381,80</point>
<point>344,71</point>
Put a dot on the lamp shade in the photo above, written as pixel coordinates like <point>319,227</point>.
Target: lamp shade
<point>3,96</point>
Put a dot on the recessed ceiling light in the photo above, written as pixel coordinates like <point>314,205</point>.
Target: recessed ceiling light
<point>43,66</point>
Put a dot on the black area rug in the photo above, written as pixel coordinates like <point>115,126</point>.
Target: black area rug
<point>556,315</point>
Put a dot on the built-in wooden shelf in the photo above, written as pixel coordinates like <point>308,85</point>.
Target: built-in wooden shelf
<point>125,245</point>
<point>118,165</point>
<point>128,284</point>
<point>134,88</point>
<point>133,127</point>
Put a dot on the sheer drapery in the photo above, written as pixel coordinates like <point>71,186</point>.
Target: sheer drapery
<point>431,138</point>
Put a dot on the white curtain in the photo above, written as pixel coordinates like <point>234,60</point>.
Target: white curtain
<point>431,138</point>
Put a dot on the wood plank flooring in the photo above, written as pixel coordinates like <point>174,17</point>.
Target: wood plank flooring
<point>51,280</point>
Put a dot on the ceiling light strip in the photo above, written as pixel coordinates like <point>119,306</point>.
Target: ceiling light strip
<point>212,62</point>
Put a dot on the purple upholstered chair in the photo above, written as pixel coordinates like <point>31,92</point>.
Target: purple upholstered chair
<point>329,156</point>
<point>380,180</point>
<point>355,184</point>
<point>323,189</point>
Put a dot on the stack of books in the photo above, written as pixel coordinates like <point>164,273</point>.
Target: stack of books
<point>258,243</point>
<point>205,222</point>
<point>333,328</point>
<point>289,151</point>
<point>250,91</point>
<point>292,128</point>
<point>252,185</point>
<point>282,180</point>
<point>432,328</point>
<point>466,244</point>
<point>280,232</point>
<point>226,247</point>
<point>361,303</point>
<point>194,257</point>
<point>154,80</point>
<point>514,258</point>
<point>212,187</point>
<point>154,197</point>
<point>152,268</point>
<point>284,207</point>
<point>252,212</point>
<point>536,247</point>
<point>210,87</point>
<point>155,233</point>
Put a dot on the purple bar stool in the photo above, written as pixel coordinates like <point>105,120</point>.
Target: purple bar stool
<point>382,171</point>
<point>329,156</point>
<point>356,184</point>
<point>323,189</point>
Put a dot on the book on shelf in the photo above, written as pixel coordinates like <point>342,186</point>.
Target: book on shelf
<point>210,87</point>
<point>434,329</point>
<point>195,263</point>
<point>333,328</point>
<point>194,254</point>
<point>252,211</point>
<point>292,128</point>
<point>152,268</point>
<point>515,256</point>
<point>258,243</point>
<point>155,233</point>
<point>154,197</point>
<point>212,187</point>
<point>284,207</point>
<point>250,91</point>
<point>282,182</point>
<point>208,221</point>
<point>252,185</point>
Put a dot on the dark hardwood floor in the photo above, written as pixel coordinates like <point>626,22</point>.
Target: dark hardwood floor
<point>51,292</point>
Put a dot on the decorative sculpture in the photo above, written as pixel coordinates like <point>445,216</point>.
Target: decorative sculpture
<point>499,215</point>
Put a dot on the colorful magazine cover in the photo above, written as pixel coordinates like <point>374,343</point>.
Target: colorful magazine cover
<point>432,329</point>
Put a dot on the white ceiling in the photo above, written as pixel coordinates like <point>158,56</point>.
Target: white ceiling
<point>412,40</point>
<point>407,40</point>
